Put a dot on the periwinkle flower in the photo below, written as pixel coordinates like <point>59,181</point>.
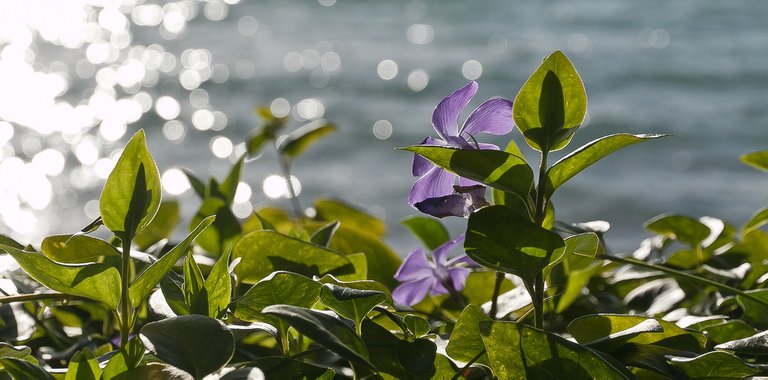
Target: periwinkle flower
<point>438,192</point>
<point>418,275</point>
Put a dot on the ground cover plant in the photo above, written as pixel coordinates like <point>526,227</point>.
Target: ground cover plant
<point>289,295</point>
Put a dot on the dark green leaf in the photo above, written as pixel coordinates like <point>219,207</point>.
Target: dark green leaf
<point>279,368</point>
<point>679,227</point>
<point>194,343</point>
<point>754,345</point>
<point>125,359</point>
<point>277,288</point>
<point>226,229</point>
<point>535,354</point>
<point>430,231</point>
<point>351,303</point>
<point>8,351</point>
<point>466,341</point>
<point>256,141</point>
<point>264,252</point>
<point>300,139</point>
<point>585,244</point>
<point>325,330</point>
<point>229,186</point>
<point>197,185</point>
<point>131,195</point>
<point>83,366</point>
<point>218,286</point>
<point>758,159</point>
<point>728,330</point>
<point>591,328</point>
<point>20,369</point>
<point>715,364</point>
<point>494,168</point>
<point>382,261</point>
<point>501,239</point>
<point>161,227</point>
<point>323,236</point>
<point>582,158</point>
<point>359,285</point>
<point>195,294</point>
<point>100,282</point>
<point>417,325</point>
<point>147,280</point>
<point>76,249</point>
<point>551,104</point>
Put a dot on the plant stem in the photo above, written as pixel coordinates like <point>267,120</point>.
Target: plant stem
<point>36,297</point>
<point>125,300</point>
<point>537,296</point>
<point>496,291</point>
<point>466,366</point>
<point>688,276</point>
<point>286,168</point>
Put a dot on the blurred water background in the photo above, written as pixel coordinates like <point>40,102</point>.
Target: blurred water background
<point>79,77</point>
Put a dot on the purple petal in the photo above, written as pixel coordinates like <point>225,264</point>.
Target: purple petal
<point>462,259</point>
<point>459,277</point>
<point>434,183</point>
<point>494,116</point>
<point>411,293</point>
<point>414,267</point>
<point>445,118</point>
<point>420,164</point>
<point>440,254</point>
<point>486,146</point>
<point>440,207</point>
<point>466,182</point>
<point>438,289</point>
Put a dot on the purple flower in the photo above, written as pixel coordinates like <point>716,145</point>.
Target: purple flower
<point>419,275</point>
<point>438,192</point>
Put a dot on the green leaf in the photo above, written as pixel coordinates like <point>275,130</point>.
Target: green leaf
<point>226,229</point>
<point>582,158</point>
<point>753,311</point>
<point>728,330</point>
<point>715,364</point>
<point>615,340</point>
<point>500,170</point>
<point>325,330</point>
<point>299,140</point>
<point>8,351</point>
<point>757,160</point>
<point>83,366</point>
<point>349,216</point>
<point>20,369</point>
<point>351,303</point>
<point>195,294</point>
<point>535,354</point>
<point>228,187</point>
<point>76,249</point>
<point>146,281</point>
<point>273,367</point>
<point>754,345</point>
<point>100,282</point>
<point>359,285</point>
<point>264,252</point>
<point>323,236</point>
<point>501,239</point>
<point>551,105</point>
<point>758,219</point>
<point>218,286</point>
<point>382,261</point>
<point>277,288</point>
<point>197,185</point>
<point>161,227</point>
<point>430,231</point>
<point>124,360</point>
<point>592,328</point>
<point>417,325</point>
<point>466,341</point>
<point>131,195</point>
<point>194,343</point>
<point>679,227</point>
<point>256,141</point>
<point>584,245</point>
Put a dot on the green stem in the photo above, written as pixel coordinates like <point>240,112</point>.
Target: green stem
<point>37,297</point>
<point>466,366</point>
<point>286,168</point>
<point>688,276</point>
<point>496,291</point>
<point>125,300</point>
<point>538,299</point>
<point>537,294</point>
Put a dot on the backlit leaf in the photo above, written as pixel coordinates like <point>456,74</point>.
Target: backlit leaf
<point>430,231</point>
<point>300,139</point>
<point>679,227</point>
<point>76,248</point>
<point>758,159</point>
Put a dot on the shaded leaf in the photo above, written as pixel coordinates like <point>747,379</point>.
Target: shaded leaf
<point>754,345</point>
<point>83,366</point>
<point>277,288</point>
<point>585,244</point>
<point>124,360</point>
<point>21,369</point>
<point>591,328</point>
<point>197,185</point>
<point>715,364</point>
<point>279,368</point>
<point>196,344</point>
<point>226,228</point>
<point>466,341</point>
<point>161,227</point>
<point>680,227</point>
<point>195,295</point>
<point>430,231</point>
<point>351,303</point>
<point>323,236</point>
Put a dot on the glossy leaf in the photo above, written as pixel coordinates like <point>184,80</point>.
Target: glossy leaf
<point>100,282</point>
<point>728,331</point>
<point>532,353</point>
<point>715,364</point>
<point>277,288</point>
<point>349,216</point>
<point>299,140</point>
<point>125,360</point>
<point>21,369</point>
<point>582,158</point>
<point>754,345</point>
<point>551,104</point>
<point>619,338</point>
<point>218,286</point>
<point>76,249</point>
<point>430,231</point>
<point>324,235</point>
<point>757,160</point>
<point>325,330</point>
<point>351,303</point>
<point>196,344</point>
<point>501,239</point>
<point>264,252</point>
<point>494,168</point>
<point>83,366</point>
<point>131,195</point>
<point>146,281</point>
<point>466,341</point>
<point>680,227</point>
<point>368,285</point>
<point>161,227</point>
<point>591,328</point>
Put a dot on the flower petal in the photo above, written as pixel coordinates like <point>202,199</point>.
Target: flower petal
<point>459,277</point>
<point>434,183</point>
<point>445,118</point>
<point>440,207</point>
<point>440,254</point>
<point>414,267</point>
<point>438,289</point>
<point>411,293</point>
<point>420,164</point>
<point>494,116</point>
